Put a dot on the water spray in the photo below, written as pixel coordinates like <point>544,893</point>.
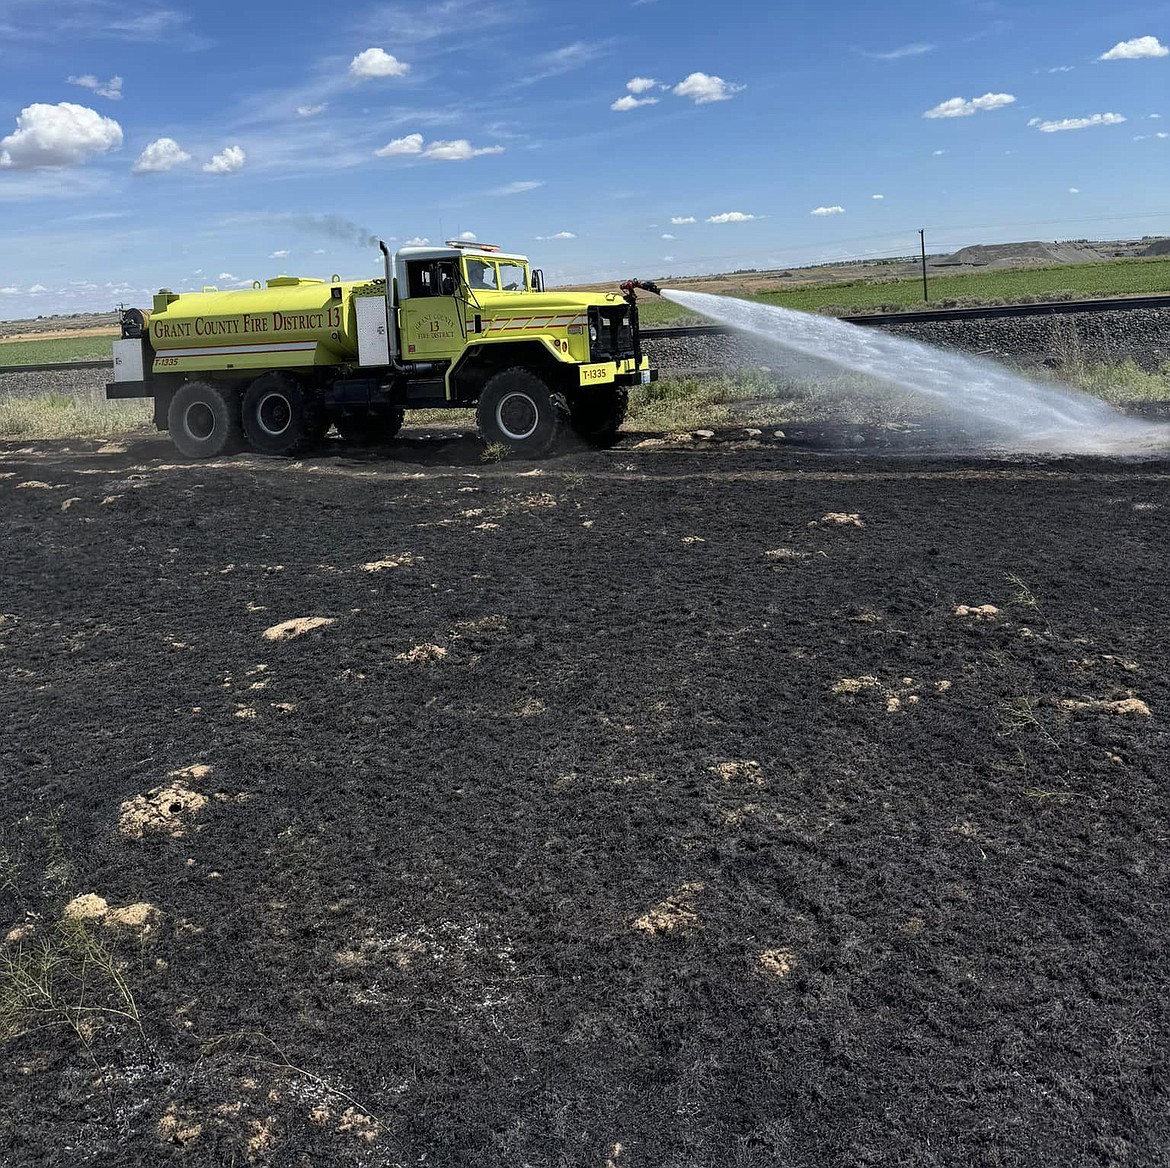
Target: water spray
<point>1024,415</point>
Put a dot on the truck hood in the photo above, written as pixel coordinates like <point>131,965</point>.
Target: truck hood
<point>527,303</point>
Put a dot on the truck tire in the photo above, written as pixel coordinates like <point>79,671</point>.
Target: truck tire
<point>598,414</point>
<point>281,416</point>
<point>370,429</point>
<point>517,409</point>
<point>204,421</point>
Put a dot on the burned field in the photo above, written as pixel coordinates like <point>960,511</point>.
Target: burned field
<point>694,807</point>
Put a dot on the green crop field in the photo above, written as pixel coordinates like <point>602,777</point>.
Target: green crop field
<point>1069,281</point>
<point>62,349</point>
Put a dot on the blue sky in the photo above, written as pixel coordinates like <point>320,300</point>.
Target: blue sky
<point>178,143</point>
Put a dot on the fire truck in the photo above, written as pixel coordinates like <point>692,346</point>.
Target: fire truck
<point>275,366</point>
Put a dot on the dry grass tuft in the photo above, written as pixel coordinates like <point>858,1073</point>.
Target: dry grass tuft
<point>297,627</point>
<point>676,912</point>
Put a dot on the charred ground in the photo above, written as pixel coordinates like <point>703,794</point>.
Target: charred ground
<point>652,807</point>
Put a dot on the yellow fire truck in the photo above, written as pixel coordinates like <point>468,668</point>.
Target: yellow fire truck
<point>464,325</point>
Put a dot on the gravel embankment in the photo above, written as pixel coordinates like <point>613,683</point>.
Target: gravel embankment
<point>1141,335</point>
<point>71,381</point>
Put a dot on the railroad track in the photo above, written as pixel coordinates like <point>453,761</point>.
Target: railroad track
<point>922,316</point>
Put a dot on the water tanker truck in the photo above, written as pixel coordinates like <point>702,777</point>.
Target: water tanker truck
<point>275,366</point>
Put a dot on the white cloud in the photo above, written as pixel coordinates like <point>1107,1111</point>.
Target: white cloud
<point>1061,69</point>
<point>559,235</point>
<point>161,155</point>
<point>470,236</point>
<point>377,63</point>
<point>962,107</point>
<point>833,210</point>
<point>640,84</point>
<point>320,251</point>
<point>1074,190</point>
<point>731,217</point>
<point>283,254</point>
<point>37,289</point>
<point>411,144</point>
<point>629,102</point>
<point>311,111</point>
<point>515,188</point>
<point>937,153</point>
<point>1162,134</point>
<point>51,136</point>
<point>677,220</point>
<point>111,89</point>
<point>226,276</point>
<point>667,235</point>
<point>228,161</point>
<point>417,241</point>
<point>702,88</point>
<point>877,196</point>
<point>11,290</point>
<point>459,150</point>
<point>913,50</point>
<point>668,259</point>
<point>1155,116</point>
<point>1146,46</point>
<point>1077,123</point>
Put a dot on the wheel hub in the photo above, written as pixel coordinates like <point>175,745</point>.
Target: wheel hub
<point>517,416</point>
<point>274,414</point>
<point>199,420</point>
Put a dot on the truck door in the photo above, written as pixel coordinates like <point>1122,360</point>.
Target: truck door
<point>431,317</point>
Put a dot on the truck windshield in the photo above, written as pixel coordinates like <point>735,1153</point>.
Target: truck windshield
<point>497,275</point>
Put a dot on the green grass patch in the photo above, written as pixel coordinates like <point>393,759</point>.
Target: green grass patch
<point>61,349</point>
<point>1066,282</point>
<point>72,415</point>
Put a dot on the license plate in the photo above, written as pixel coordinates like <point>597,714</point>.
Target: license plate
<point>645,376</point>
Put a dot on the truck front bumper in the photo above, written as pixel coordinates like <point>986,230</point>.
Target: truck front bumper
<point>624,372</point>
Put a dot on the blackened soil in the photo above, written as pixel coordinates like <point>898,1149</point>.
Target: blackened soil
<point>714,837</point>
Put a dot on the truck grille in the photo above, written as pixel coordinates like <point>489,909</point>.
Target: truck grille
<point>615,336</point>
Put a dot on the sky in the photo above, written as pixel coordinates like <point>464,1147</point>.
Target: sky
<point>169,143</point>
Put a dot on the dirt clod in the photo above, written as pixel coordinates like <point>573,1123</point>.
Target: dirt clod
<point>87,907</point>
<point>979,612</point>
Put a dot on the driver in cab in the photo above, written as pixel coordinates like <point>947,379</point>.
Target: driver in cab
<point>481,275</point>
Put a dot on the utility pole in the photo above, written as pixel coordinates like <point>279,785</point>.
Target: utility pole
<point>922,240</point>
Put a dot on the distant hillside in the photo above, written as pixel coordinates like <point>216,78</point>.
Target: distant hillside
<point>1018,255</point>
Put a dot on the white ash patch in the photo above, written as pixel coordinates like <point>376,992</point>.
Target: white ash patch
<point>297,627</point>
<point>978,612</point>
<point>676,912</point>
<point>1127,706</point>
<point>388,563</point>
<point>839,519</point>
<point>778,963</point>
<point>423,655</point>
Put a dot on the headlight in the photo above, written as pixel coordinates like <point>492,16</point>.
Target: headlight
<point>593,333</point>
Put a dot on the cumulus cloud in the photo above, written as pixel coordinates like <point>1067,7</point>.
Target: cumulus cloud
<point>417,241</point>
<point>963,107</point>
<point>228,161</point>
<point>459,150</point>
<point>111,89</point>
<point>282,254</point>
<point>938,153</point>
<point>377,63</point>
<point>411,144</point>
<point>1077,123</point>
<point>677,220</point>
<point>161,155</point>
<point>226,276</point>
<point>640,84</point>
<point>470,236</point>
<point>629,102</point>
<point>833,210</point>
<point>702,88</point>
<point>731,217</point>
<point>311,111</point>
<point>877,196</point>
<point>1146,46</point>
<point>1074,190</point>
<point>52,136</point>
<point>667,235</point>
<point>559,235</point>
